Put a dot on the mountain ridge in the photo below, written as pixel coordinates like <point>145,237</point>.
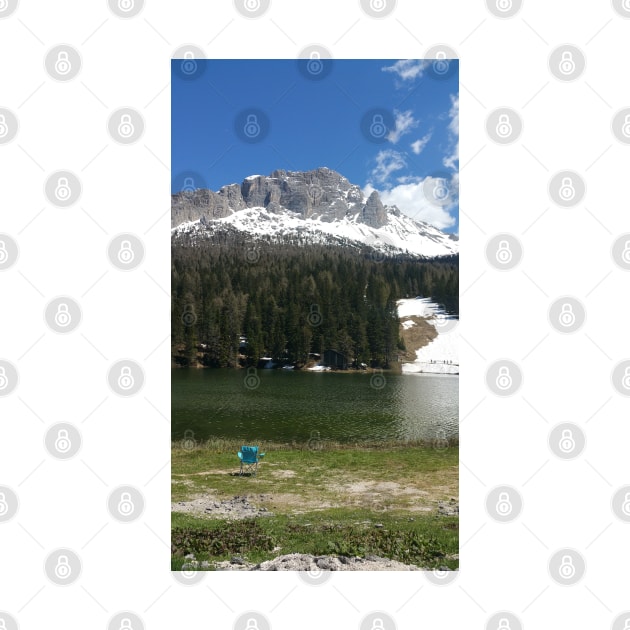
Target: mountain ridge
<point>318,206</point>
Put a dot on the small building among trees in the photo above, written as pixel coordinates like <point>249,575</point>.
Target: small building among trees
<point>335,360</point>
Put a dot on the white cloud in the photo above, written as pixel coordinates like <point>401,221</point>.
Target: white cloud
<point>419,144</point>
<point>406,69</point>
<point>405,122</point>
<point>387,162</point>
<point>410,198</point>
<point>452,160</point>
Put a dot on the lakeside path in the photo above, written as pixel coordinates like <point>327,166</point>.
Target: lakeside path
<point>439,349</point>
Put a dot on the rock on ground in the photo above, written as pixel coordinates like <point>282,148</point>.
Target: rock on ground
<point>308,562</point>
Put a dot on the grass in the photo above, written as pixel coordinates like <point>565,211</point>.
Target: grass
<point>327,500</point>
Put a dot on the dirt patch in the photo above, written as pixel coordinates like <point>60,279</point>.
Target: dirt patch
<point>283,474</point>
<point>416,336</point>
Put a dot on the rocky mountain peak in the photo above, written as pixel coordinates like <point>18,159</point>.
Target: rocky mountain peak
<point>321,193</point>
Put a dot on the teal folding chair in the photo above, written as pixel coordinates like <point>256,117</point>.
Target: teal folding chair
<point>249,457</point>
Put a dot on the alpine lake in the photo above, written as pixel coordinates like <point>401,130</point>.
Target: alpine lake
<point>287,406</point>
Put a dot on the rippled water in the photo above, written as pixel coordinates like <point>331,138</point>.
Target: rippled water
<point>289,406</point>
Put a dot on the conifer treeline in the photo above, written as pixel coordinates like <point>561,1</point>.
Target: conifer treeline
<point>293,300</point>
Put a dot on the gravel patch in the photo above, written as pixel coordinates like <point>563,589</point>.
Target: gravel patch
<point>232,509</point>
<point>307,562</point>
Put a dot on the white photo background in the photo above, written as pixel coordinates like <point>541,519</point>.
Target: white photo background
<point>84,389</point>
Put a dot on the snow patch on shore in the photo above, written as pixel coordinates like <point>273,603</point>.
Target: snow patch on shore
<point>440,356</point>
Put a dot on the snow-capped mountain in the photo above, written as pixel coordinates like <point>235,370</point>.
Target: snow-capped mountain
<point>319,206</point>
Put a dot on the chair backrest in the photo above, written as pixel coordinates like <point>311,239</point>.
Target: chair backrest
<point>250,453</point>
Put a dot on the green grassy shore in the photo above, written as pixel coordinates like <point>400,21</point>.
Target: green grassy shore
<point>322,498</point>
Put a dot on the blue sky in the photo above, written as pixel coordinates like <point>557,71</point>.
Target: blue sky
<point>302,123</point>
